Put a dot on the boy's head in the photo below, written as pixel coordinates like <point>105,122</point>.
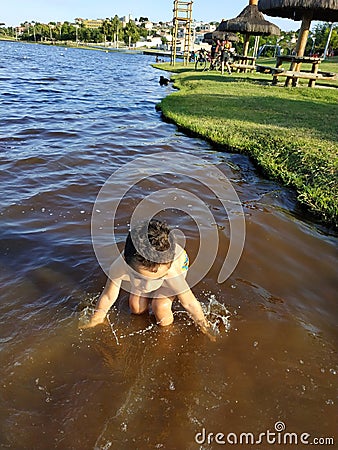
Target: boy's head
<point>149,246</point>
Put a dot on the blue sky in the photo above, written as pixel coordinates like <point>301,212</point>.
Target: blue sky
<point>14,12</point>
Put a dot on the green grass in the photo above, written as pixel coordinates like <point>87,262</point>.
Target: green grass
<point>290,133</point>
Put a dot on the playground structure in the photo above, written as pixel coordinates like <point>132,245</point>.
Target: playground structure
<point>182,19</point>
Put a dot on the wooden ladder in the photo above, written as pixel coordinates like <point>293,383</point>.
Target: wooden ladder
<point>182,19</point>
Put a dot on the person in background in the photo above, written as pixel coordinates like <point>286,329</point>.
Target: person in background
<point>214,52</point>
<point>225,55</point>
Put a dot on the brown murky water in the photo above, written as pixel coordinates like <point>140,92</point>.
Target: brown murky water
<point>70,118</point>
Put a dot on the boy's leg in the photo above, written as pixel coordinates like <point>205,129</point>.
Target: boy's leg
<point>162,309</point>
<point>138,304</point>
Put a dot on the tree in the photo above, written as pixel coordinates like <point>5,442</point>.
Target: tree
<point>107,29</point>
<point>3,30</point>
<point>42,31</point>
<point>117,28</point>
<point>320,35</point>
<point>96,35</point>
<point>65,33</point>
<point>85,34</point>
<point>143,32</point>
<point>111,28</point>
<point>131,33</point>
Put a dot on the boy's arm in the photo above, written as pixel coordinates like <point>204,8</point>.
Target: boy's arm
<point>106,300</point>
<point>109,293</point>
<point>194,308</point>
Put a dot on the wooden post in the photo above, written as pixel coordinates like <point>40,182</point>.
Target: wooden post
<point>246,44</point>
<point>315,67</point>
<point>279,63</point>
<point>301,44</point>
<point>253,2</point>
<point>304,33</point>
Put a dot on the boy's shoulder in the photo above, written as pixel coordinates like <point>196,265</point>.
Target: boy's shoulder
<point>181,260</point>
<point>119,268</point>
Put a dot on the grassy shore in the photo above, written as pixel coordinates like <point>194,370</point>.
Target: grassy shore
<point>290,133</point>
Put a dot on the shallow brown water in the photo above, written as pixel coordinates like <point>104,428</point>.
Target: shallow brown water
<point>69,119</point>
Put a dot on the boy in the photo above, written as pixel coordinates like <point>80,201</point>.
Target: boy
<point>155,267</point>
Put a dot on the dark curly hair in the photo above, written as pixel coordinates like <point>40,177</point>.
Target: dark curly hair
<point>149,245</point>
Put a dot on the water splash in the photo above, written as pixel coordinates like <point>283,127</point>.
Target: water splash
<point>142,331</point>
<point>88,308</point>
<point>216,313</point>
<point>113,331</point>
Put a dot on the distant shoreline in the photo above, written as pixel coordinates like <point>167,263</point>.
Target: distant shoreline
<point>98,47</point>
<point>70,44</point>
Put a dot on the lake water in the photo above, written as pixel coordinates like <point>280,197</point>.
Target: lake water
<point>69,120</point>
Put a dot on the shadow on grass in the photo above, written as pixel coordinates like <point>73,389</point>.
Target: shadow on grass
<point>218,77</point>
<point>259,110</point>
<point>327,65</point>
<point>262,79</point>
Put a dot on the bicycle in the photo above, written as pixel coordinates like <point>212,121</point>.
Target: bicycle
<point>201,60</point>
<point>216,64</point>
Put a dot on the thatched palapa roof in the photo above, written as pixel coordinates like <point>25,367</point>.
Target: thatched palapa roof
<point>250,21</point>
<point>221,35</point>
<point>323,10</point>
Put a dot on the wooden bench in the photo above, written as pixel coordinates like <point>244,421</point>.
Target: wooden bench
<point>296,62</point>
<point>242,66</point>
<point>307,75</point>
<point>294,73</point>
<point>269,69</point>
<point>243,63</point>
<point>322,72</point>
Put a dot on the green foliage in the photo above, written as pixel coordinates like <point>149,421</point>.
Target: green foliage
<point>321,32</point>
<point>131,33</point>
<point>290,133</point>
<point>143,32</point>
<point>112,29</point>
<point>66,32</point>
<point>316,42</point>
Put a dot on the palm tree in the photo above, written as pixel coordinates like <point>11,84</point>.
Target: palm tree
<point>33,25</point>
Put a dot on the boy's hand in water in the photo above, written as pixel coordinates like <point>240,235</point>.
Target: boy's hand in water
<point>194,308</point>
<point>206,329</point>
<point>106,300</point>
<point>96,319</point>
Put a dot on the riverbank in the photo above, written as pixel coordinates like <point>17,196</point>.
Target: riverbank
<point>290,134</point>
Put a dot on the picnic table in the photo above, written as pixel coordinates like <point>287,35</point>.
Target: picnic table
<point>294,73</point>
<point>296,62</point>
<point>243,63</point>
